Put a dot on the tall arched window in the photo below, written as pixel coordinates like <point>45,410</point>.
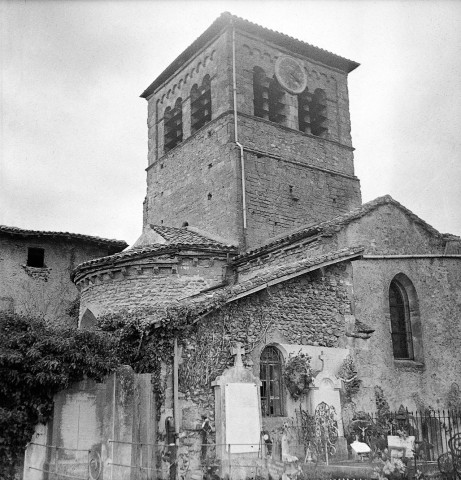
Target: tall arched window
<point>172,126</point>
<point>268,97</point>
<point>260,93</point>
<point>318,113</point>
<point>200,98</point>
<point>276,102</point>
<point>400,315</point>
<point>271,382</point>
<point>304,119</point>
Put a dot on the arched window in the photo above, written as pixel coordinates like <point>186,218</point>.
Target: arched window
<point>260,93</point>
<point>200,98</point>
<point>172,126</point>
<point>271,382</point>
<point>304,119</point>
<point>268,97</point>
<point>400,315</point>
<point>318,112</point>
<point>276,102</point>
<point>88,320</point>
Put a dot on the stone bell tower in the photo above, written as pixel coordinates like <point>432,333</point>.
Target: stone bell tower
<point>249,135</point>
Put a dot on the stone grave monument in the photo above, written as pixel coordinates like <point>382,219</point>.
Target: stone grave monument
<point>238,419</point>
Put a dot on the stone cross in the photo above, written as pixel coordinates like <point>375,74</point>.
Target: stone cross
<point>237,351</point>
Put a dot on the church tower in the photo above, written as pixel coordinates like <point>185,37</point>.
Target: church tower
<point>249,135</point>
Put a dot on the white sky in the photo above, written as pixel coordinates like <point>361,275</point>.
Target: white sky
<point>73,129</point>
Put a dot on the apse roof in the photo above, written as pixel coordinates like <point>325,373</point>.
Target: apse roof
<point>226,19</point>
<point>167,240</point>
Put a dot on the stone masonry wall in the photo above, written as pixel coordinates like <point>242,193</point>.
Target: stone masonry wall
<point>389,231</point>
<point>41,291</point>
<point>148,284</point>
<point>437,287</point>
<point>297,178</point>
<point>212,60</point>
<point>252,52</point>
<point>283,195</point>
<point>308,310</point>
<point>197,182</point>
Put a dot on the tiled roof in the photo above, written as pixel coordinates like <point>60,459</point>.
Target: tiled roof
<point>334,223</point>
<point>176,239</point>
<point>184,236</point>
<point>226,19</point>
<point>277,274</point>
<point>119,244</point>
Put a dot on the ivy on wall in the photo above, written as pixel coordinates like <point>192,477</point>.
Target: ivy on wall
<point>297,374</point>
<point>348,374</point>
<point>37,360</point>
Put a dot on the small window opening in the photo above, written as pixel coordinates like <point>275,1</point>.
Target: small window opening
<point>172,124</point>
<point>271,382</point>
<point>318,113</point>
<point>200,104</point>
<point>36,257</point>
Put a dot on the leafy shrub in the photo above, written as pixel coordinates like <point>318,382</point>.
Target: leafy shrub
<point>37,360</point>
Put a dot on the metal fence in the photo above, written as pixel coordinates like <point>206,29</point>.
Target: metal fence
<point>144,461</point>
<point>56,468</point>
<point>432,429</point>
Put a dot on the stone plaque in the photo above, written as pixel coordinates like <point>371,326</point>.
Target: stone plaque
<point>242,417</point>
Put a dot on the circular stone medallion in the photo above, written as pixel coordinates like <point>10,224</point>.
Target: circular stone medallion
<point>290,74</point>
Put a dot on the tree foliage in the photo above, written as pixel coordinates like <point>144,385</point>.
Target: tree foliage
<point>37,360</point>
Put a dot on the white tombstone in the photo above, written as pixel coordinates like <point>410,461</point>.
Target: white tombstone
<point>237,415</point>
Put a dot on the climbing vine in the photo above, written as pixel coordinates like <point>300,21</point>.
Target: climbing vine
<point>37,360</point>
<point>298,374</point>
<point>348,374</point>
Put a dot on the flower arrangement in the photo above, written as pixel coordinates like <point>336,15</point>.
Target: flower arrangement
<point>298,374</point>
<point>392,469</point>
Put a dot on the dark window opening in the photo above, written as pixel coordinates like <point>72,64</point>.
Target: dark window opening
<point>318,113</point>
<point>402,340</point>
<point>276,102</point>
<point>304,119</point>
<point>260,93</point>
<point>200,104</point>
<point>172,126</point>
<point>271,382</point>
<point>36,257</point>
<point>268,97</point>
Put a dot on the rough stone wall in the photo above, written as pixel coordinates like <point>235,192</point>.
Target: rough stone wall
<point>152,284</point>
<point>390,231</point>
<point>41,291</point>
<point>282,195</point>
<point>437,286</point>
<point>308,310</point>
<point>179,185</point>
